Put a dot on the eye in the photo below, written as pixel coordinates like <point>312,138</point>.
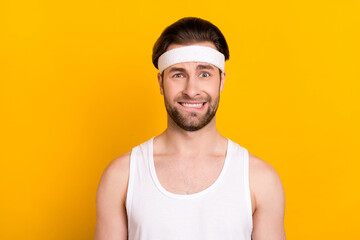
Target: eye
<point>177,75</point>
<point>205,74</point>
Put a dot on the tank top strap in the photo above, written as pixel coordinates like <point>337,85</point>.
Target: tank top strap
<point>239,172</point>
<point>139,168</point>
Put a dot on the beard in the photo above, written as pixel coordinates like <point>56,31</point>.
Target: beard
<point>192,121</point>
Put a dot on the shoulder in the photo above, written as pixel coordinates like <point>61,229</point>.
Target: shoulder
<point>114,180</point>
<point>265,182</point>
<point>119,164</point>
<point>261,169</point>
<point>111,219</point>
<point>118,168</point>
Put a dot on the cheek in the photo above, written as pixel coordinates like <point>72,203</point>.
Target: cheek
<point>172,87</point>
<point>211,88</point>
<point>170,91</point>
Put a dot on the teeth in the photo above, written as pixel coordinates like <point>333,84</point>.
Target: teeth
<point>197,105</point>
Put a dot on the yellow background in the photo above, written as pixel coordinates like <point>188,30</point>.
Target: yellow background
<point>78,89</point>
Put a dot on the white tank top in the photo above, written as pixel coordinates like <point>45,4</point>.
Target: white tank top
<point>221,211</point>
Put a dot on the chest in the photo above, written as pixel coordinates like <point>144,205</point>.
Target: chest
<point>222,211</point>
<point>187,176</point>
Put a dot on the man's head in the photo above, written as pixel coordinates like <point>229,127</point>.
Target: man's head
<point>190,55</point>
<point>187,31</point>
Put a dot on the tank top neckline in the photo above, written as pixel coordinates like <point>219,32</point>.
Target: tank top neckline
<point>186,196</point>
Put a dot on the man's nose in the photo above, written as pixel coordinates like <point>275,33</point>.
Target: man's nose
<point>191,88</point>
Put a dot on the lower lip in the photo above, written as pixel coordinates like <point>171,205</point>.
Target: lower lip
<point>194,108</point>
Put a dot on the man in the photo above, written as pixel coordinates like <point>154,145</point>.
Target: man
<point>190,182</point>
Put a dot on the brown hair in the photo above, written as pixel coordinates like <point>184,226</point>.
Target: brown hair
<point>189,30</point>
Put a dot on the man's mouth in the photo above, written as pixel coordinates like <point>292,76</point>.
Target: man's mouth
<point>192,105</point>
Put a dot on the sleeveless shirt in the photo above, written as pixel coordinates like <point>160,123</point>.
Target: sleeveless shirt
<point>221,211</point>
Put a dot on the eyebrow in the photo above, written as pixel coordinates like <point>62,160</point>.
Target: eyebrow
<point>175,69</point>
<point>201,66</point>
<point>198,67</point>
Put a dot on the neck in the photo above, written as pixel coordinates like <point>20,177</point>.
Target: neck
<point>175,140</point>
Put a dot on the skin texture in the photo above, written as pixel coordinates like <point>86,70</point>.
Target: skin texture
<point>186,161</point>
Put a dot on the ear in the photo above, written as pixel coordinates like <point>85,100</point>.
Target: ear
<point>222,80</point>
<point>160,81</point>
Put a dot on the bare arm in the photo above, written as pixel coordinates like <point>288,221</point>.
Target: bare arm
<point>268,218</point>
<point>111,219</point>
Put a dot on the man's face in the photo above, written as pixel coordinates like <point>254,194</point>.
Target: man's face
<point>191,92</point>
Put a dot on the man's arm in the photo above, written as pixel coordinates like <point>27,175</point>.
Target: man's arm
<point>268,218</point>
<point>111,219</point>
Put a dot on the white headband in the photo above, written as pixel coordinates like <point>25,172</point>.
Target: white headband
<point>192,53</point>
